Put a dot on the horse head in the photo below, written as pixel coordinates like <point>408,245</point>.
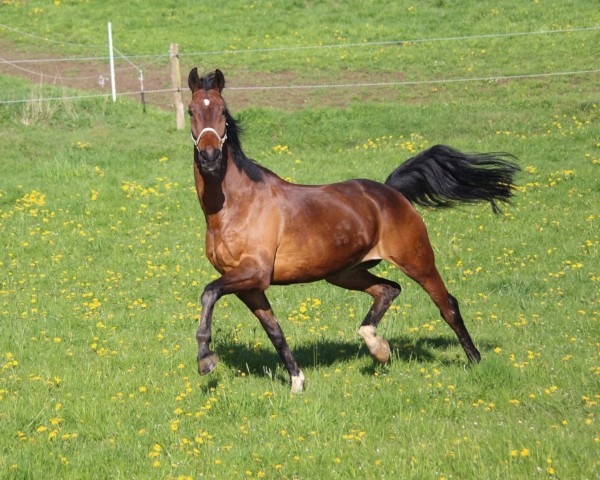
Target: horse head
<point>207,112</point>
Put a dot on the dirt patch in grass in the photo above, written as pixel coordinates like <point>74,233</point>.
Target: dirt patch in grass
<point>285,90</point>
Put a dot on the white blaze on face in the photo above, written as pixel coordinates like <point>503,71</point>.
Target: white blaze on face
<point>206,102</point>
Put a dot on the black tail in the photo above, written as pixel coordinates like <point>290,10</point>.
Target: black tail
<point>441,176</point>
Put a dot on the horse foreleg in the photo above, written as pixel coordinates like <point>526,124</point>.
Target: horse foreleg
<point>383,292</point>
<point>207,359</point>
<point>258,303</point>
<point>246,276</point>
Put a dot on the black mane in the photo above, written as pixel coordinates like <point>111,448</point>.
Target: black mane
<point>254,171</point>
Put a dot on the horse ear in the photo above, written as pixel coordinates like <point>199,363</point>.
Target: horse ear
<point>218,80</point>
<point>194,81</point>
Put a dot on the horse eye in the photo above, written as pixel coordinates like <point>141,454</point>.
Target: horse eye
<point>190,113</point>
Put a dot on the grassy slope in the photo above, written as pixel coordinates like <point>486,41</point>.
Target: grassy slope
<point>102,269</point>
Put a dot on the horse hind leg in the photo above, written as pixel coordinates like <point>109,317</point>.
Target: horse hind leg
<point>425,274</point>
<point>383,292</point>
<point>463,335</point>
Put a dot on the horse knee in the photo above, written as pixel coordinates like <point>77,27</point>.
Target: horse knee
<point>209,296</point>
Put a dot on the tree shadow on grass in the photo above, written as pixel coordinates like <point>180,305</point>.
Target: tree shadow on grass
<point>263,360</point>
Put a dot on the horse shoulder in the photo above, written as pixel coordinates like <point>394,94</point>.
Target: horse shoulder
<point>245,230</point>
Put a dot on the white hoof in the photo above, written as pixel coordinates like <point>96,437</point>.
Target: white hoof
<point>379,347</point>
<point>297,383</point>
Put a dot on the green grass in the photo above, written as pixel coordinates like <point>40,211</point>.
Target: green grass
<point>102,263</point>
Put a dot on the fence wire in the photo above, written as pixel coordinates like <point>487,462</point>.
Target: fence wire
<point>142,62</point>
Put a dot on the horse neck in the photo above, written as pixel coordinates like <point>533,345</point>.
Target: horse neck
<point>230,191</point>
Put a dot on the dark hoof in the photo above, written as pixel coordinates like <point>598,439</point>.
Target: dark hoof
<point>207,363</point>
<point>474,356</point>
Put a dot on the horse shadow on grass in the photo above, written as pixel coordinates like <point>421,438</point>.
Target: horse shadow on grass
<point>264,361</point>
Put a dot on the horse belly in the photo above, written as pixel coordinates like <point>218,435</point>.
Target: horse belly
<point>320,251</point>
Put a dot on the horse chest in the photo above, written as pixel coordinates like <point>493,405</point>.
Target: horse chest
<point>223,249</point>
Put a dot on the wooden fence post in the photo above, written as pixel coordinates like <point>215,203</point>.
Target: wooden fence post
<point>176,80</point>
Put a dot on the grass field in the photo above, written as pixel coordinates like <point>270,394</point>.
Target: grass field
<point>102,255</point>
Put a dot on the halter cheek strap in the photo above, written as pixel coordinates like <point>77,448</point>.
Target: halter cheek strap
<point>222,139</point>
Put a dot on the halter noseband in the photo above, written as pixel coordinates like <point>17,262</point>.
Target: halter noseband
<point>222,139</point>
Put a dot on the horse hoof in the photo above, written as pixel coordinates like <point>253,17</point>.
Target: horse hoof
<point>381,351</point>
<point>474,356</point>
<point>207,363</point>
<point>379,347</point>
<point>297,383</point>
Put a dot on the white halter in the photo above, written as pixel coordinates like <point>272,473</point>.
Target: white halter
<point>222,139</point>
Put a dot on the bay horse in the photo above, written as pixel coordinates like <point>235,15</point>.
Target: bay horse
<point>262,230</point>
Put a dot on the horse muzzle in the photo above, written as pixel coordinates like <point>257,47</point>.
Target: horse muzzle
<point>210,160</point>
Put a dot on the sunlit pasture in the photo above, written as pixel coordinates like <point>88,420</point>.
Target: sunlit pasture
<point>102,261</point>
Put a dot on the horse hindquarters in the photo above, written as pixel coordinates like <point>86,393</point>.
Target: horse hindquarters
<point>441,177</point>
